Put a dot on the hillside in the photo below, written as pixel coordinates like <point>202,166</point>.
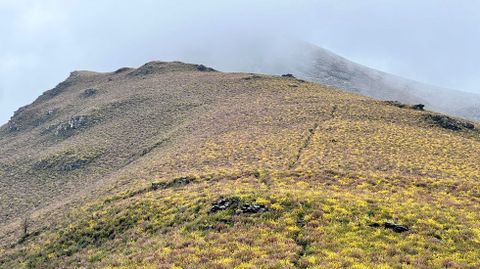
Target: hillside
<point>173,165</point>
<point>325,67</point>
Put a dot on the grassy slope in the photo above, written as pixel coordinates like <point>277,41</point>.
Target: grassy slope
<point>325,163</point>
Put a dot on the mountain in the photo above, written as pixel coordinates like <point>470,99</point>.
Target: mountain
<point>316,64</point>
<point>174,165</point>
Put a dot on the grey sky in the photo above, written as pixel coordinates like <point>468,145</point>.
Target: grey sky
<point>432,41</point>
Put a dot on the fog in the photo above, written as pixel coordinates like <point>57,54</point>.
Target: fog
<point>432,41</point>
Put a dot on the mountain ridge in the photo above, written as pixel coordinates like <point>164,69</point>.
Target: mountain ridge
<point>323,66</point>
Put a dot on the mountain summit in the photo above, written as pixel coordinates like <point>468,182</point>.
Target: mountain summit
<point>174,165</point>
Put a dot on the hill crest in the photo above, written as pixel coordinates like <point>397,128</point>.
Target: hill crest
<point>172,165</point>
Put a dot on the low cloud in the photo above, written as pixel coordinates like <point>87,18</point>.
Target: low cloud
<point>42,41</point>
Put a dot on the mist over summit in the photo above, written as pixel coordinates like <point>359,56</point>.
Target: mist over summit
<point>239,134</point>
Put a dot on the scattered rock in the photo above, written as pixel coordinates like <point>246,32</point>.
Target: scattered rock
<point>239,207</point>
<point>89,92</point>
<point>395,227</point>
<point>224,204</point>
<point>288,76</point>
<point>420,107</point>
<point>391,226</point>
<point>27,118</point>
<point>72,124</point>
<point>253,208</point>
<point>203,68</point>
<point>12,127</point>
<point>157,185</point>
<point>450,123</point>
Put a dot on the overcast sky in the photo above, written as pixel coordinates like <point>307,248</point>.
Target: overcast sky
<point>41,41</point>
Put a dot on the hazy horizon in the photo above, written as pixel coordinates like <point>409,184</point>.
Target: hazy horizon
<point>434,42</point>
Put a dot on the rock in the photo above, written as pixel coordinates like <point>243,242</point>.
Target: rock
<point>223,204</point>
<point>395,227</point>
<point>156,185</point>
<point>288,76</point>
<point>420,107</point>
<point>203,68</point>
<point>89,92</point>
<point>72,124</point>
<point>235,204</point>
<point>12,127</point>
<point>450,123</point>
<point>253,208</point>
<point>391,226</point>
<point>400,229</point>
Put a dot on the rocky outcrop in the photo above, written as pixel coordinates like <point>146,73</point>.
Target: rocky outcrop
<point>89,92</point>
<point>237,206</point>
<point>203,68</point>
<point>26,118</point>
<point>450,123</point>
<point>74,123</point>
<point>420,107</point>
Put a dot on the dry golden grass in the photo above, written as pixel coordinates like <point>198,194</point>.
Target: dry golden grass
<point>326,164</point>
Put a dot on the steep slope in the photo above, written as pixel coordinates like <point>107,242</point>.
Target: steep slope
<point>319,65</point>
<point>177,165</point>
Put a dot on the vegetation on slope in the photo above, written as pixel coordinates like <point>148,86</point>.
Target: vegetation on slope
<point>273,173</point>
